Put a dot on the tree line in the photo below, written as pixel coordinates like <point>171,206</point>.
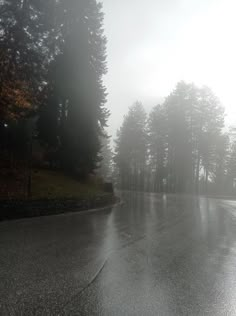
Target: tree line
<point>181,146</point>
<point>52,62</point>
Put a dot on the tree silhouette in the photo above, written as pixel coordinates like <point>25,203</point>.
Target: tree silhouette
<point>181,142</point>
<point>131,149</point>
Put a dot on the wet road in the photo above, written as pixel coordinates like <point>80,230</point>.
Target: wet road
<point>153,255</point>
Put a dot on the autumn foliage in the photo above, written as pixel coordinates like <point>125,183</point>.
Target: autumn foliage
<point>16,101</point>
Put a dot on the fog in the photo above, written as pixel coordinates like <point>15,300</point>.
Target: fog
<point>158,72</point>
<point>154,44</point>
<point>118,135</point>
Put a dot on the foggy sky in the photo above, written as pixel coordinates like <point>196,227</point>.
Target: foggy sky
<point>153,44</point>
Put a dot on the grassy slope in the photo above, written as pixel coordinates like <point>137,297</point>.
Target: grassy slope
<point>51,184</point>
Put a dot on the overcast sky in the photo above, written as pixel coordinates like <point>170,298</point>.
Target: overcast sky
<point>153,44</point>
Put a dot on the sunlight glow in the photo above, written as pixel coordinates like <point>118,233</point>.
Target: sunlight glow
<point>202,52</point>
<point>176,40</point>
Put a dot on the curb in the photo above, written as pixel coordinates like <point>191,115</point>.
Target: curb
<point>11,210</point>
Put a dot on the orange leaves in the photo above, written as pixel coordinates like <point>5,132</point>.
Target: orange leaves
<point>16,100</point>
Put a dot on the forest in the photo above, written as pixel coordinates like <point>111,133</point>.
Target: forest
<point>53,59</point>
<point>182,146</point>
<point>53,110</point>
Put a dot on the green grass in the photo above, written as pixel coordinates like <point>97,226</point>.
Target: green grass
<point>53,184</point>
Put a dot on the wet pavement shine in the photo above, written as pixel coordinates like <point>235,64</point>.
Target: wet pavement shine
<point>151,255</point>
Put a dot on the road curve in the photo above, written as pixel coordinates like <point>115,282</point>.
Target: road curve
<point>152,255</point>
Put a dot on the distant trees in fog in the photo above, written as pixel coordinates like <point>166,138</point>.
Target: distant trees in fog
<point>180,147</point>
<point>131,149</point>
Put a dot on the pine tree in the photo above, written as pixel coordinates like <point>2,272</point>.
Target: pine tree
<point>157,140</point>
<point>179,108</point>
<point>231,163</point>
<point>221,157</point>
<point>76,95</point>
<point>106,156</point>
<point>211,124</point>
<point>131,149</point>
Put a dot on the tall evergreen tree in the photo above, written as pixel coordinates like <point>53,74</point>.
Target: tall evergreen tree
<point>211,124</point>
<point>231,163</point>
<point>221,158</point>
<point>180,106</point>
<point>131,149</point>
<point>157,140</point>
<point>76,95</point>
<point>106,156</point>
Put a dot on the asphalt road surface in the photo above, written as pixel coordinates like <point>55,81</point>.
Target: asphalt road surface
<point>152,255</point>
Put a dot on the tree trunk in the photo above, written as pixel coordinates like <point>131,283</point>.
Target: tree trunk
<point>197,174</point>
<point>206,181</point>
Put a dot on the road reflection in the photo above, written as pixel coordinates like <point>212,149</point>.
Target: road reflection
<point>171,254</point>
